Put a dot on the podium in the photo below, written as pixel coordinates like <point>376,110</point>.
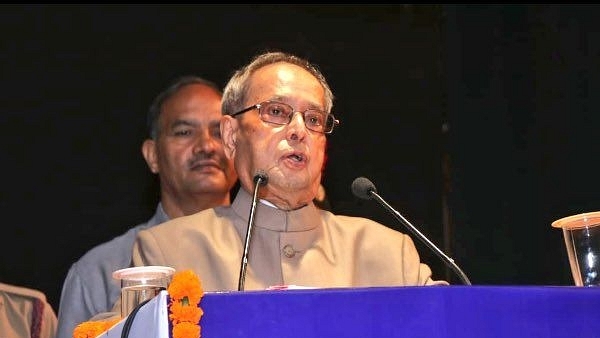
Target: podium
<point>386,312</point>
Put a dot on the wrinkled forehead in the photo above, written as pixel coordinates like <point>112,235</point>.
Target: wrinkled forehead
<point>285,80</point>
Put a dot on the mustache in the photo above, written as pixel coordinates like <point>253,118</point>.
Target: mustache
<point>207,158</point>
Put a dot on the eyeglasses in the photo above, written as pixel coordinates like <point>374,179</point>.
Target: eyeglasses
<point>282,113</point>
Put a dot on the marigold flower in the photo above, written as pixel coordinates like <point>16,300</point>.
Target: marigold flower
<point>185,292</point>
<point>186,330</point>
<point>185,313</point>
<point>92,329</point>
<point>186,284</point>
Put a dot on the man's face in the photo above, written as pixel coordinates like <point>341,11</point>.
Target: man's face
<point>189,155</point>
<point>291,155</point>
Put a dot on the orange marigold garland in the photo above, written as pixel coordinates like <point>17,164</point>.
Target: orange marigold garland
<point>186,329</point>
<point>92,329</point>
<point>185,292</point>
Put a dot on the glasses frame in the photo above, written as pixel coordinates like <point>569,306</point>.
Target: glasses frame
<point>261,104</point>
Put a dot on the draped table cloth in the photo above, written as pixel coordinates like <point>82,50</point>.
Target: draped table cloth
<point>386,312</point>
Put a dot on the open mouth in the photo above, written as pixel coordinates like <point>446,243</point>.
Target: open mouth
<point>296,157</point>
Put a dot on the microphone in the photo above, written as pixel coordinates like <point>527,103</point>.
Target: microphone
<point>365,189</point>
<point>260,178</point>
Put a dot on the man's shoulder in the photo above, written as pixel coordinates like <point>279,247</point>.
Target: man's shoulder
<point>113,247</point>
<point>21,291</point>
<point>359,224</point>
<point>210,215</point>
<point>357,221</point>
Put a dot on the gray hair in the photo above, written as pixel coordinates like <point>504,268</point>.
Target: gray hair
<point>234,94</point>
<point>172,89</point>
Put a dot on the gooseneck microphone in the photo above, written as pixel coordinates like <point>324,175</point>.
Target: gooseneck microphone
<point>363,188</point>
<point>260,178</point>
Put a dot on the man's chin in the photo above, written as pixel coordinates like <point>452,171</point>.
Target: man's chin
<point>210,189</point>
<point>209,180</point>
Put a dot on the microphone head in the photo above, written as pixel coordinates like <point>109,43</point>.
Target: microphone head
<point>261,177</point>
<point>363,188</point>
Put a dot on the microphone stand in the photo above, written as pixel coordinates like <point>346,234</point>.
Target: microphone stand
<point>258,181</point>
<point>423,238</point>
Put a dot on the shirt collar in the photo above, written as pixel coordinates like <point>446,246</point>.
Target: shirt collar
<point>269,217</point>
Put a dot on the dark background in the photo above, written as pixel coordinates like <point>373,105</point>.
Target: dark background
<point>477,123</point>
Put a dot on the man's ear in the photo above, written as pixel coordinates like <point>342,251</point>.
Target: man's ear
<point>228,134</point>
<point>149,153</point>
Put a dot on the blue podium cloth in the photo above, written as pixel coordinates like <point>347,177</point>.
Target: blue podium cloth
<point>392,312</point>
<point>431,311</point>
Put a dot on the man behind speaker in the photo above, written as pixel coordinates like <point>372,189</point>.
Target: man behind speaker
<point>184,149</point>
<point>276,121</point>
